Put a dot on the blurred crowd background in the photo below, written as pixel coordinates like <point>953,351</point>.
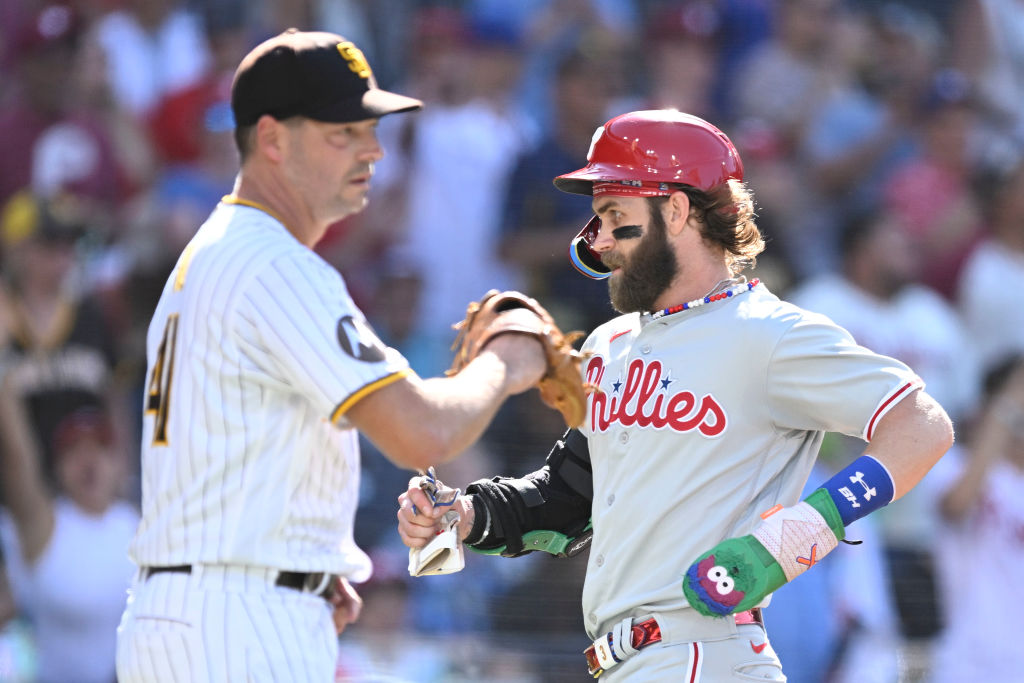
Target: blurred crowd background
<point>884,142</point>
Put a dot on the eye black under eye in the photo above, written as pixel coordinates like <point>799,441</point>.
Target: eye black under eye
<point>627,232</point>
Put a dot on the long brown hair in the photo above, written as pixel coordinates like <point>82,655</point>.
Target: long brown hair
<point>726,214</point>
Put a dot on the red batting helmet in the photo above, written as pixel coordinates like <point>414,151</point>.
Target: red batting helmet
<point>645,154</point>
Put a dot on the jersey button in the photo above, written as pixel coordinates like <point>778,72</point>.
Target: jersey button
<point>592,617</point>
<point>646,348</point>
<point>599,561</point>
<point>611,499</point>
<point>623,437</point>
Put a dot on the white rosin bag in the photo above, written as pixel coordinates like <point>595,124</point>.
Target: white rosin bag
<point>444,554</point>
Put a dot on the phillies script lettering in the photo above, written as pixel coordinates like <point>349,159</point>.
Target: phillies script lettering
<point>644,402</point>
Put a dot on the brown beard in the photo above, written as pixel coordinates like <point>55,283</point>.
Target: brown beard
<point>647,272</point>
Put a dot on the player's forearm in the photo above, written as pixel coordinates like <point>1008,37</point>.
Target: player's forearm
<point>989,443</point>
<point>506,510</point>
<point>555,500</point>
<point>465,403</point>
<point>966,491</point>
<point>738,573</point>
<point>910,439</point>
<point>417,423</point>
<point>458,409</point>
<point>24,493</point>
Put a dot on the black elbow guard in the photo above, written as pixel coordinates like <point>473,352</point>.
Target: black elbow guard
<point>569,459</point>
<point>547,510</point>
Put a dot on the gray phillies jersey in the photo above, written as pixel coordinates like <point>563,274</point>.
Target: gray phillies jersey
<point>705,419</point>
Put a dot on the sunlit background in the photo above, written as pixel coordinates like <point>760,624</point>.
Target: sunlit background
<point>883,142</point>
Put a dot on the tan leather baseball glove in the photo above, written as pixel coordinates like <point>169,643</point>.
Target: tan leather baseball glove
<point>562,386</point>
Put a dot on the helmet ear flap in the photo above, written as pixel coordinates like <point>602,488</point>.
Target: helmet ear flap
<point>582,255</point>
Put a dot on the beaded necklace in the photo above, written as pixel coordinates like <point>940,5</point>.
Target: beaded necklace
<point>732,291</point>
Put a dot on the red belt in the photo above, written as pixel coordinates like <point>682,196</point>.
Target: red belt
<point>644,633</point>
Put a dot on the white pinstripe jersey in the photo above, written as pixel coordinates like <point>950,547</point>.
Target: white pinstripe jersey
<point>254,350</point>
<point>705,419</point>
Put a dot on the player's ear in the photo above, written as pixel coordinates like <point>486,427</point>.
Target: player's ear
<point>270,137</point>
<point>677,212</point>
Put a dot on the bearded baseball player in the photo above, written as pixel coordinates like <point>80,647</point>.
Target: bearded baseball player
<point>711,397</point>
<point>261,369</point>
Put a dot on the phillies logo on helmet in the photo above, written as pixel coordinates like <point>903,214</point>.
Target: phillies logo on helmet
<point>643,400</point>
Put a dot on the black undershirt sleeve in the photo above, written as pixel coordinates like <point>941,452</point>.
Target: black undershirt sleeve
<point>556,497</point>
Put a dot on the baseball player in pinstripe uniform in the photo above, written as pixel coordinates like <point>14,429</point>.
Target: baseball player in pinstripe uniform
<point>712,400</point>
<point>260,369</point>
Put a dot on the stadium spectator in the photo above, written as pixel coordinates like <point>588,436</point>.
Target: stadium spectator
<point>931,193</point>
<point>680,52</point>
<point>67,547</point>
<point>978,497</point>
<point>535,220</point>
<point>986,44</point>
<point>54,339</point>
<point>785,79</point>
<point>995,328</point>
<point>49,143</point>
<point>153,48</point>
<point>862,131</point>
<point>468,137</point>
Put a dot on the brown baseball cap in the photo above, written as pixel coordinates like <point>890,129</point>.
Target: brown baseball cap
<point>315,74</point>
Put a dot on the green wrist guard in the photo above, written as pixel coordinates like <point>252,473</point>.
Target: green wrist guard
<point>553,542</point>
<point>738,573</point>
